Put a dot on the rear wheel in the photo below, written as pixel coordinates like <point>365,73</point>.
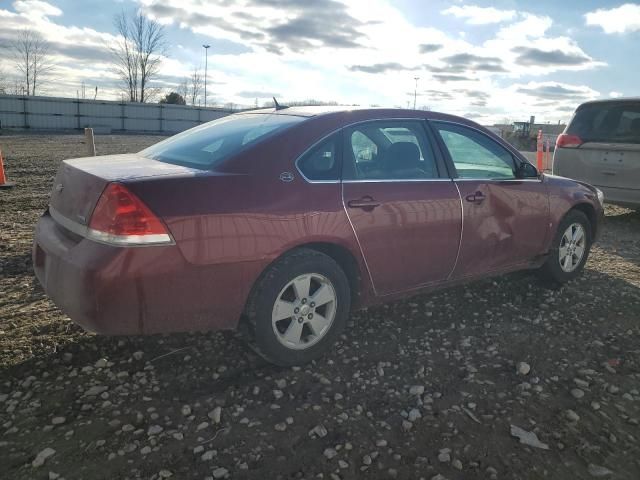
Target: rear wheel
<point>569,250</point>
<point>298,308</point>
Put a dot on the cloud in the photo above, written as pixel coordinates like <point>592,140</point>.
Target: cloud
<point>480,15</point>
<point>622,19</point>
<point>36,8</point>
<point>536,56</point>
<point>464,62</point>
<point>452,78</point>
<point>429,47</point>
<point>276,26</point>
<point>257,94</point>
<point>556,91</point>
<point>379,67</point>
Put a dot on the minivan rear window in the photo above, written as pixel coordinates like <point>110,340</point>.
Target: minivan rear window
<point>612,122</point>
<point>209,144</point>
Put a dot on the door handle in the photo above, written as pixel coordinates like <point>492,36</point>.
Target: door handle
<point>366,203</point>
<point>476,198</point>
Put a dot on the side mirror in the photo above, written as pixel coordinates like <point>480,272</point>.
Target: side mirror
<point>526,170</point>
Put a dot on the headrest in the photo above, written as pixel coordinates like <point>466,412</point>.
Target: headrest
<point>402,155</point>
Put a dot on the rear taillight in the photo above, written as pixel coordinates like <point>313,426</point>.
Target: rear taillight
<point>566,140</point>
<point>121,218</point>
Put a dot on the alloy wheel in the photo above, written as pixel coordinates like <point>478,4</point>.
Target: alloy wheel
<point>304,311</point>
<point>572,247</point>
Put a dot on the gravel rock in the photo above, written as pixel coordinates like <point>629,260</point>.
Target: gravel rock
<point>95,390</point>
<point>220,472</point>
<point>185,410</point>
<point>572,416</point>
<point>599,471</point>
<point>523,368</point>
<point>577,393</point>
<point>154,430</point>
<point>416,390</point>
<point>215,415</point>
<point>330,453</point>
<point>42,457</point>
<point>58,420</point>
<point>528,438</point>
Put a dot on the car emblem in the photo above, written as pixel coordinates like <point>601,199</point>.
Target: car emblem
<point>59,188</point>
<point>286,177</point>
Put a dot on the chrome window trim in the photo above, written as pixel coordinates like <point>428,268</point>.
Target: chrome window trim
<point>395,180</point>
<point>501,180</point>
<point>107,238</point>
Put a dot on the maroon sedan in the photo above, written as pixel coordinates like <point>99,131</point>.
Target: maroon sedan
<point>282,221</point>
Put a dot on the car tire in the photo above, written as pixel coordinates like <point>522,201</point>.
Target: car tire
<point>311,329</point>
<point>569,250</point>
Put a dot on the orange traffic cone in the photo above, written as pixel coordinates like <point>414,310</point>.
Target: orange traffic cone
<point>3,178</point>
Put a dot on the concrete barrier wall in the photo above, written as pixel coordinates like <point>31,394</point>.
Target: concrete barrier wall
<point>56,113</point>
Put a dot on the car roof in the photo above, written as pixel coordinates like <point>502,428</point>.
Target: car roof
<point>362,112</point>
<point>612,100</point>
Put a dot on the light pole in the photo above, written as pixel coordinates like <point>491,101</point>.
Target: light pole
<point>206,52</point>
<point>415,92</point>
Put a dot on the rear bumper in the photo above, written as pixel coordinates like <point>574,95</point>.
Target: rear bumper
<point>624,197</point>
<point>136,290</point>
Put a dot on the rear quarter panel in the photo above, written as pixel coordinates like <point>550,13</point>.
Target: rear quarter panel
<point>246,217</point>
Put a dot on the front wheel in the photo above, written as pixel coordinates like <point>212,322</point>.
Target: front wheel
<point>569,250</point>
<point>298,308</point>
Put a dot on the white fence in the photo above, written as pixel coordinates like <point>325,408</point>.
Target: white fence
<point>55,113</point>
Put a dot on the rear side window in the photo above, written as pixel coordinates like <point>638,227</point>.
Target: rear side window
<point>388,150</point>
<point>322,161</point>
<point>207,145</point>
<point>613,122</point>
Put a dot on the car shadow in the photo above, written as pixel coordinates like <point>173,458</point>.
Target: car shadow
<point>620,233</point>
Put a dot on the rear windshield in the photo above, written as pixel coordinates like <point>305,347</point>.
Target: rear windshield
<point>207,145</point>
<point>607,122</point>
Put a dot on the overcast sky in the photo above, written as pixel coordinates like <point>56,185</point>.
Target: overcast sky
<point>486,60</point>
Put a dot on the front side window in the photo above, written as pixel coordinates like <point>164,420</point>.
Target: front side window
<point>388,150</point>
<point>321,162</point>
<point>209,144</point>
<point>475,155</point>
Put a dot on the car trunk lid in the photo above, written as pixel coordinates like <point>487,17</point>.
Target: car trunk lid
<point>80,182</point>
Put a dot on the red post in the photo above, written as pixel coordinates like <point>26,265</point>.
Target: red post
<point>3,178</point>
<point>547,154</point>
<point>539,151</point>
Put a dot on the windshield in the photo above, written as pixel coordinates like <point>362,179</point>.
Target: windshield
<point>207,145</point>
<point>607,122</point>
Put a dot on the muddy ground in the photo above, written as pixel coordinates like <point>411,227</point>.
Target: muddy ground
<point>424,388</point>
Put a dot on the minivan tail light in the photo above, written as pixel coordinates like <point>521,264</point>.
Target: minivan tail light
<point>566,140</point>
<point>121,218</point>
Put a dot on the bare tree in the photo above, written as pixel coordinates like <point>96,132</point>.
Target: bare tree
<point>32,57</point>
<point>195,86</point>
<point>138,54</point>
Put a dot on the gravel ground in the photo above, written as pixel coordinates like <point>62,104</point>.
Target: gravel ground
<point>438,386</point>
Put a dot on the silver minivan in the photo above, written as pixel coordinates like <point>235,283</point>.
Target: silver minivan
<point>601,146</point>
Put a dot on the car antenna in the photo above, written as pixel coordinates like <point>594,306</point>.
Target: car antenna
<point>278,106</point>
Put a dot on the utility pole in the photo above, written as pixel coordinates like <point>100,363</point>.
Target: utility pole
<point>415,92</point>
<point>206,52</point>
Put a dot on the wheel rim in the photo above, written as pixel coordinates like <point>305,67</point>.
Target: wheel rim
<point>304,311</point>
<point>572,247</point>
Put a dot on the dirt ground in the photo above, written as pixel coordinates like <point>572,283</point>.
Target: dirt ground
<point>425,388</point>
